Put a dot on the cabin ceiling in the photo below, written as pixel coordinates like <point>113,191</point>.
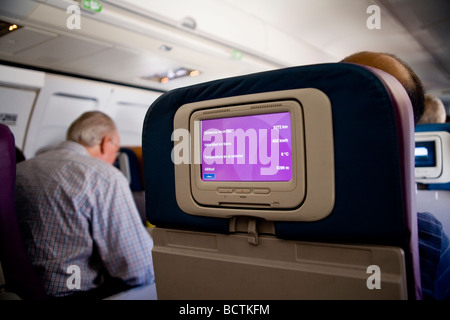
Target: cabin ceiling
<point>131,40</point>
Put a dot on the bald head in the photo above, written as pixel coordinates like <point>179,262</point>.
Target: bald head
<point>434,110</point>
<point>398,69</point>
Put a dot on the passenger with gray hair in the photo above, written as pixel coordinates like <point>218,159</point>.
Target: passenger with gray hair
<point>96,132</point>
<point>81,228</point>
<point>434,110</point>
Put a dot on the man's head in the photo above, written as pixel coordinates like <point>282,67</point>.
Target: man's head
<point>434,110</point>
<point>97,132</point>
<point>398,69</point>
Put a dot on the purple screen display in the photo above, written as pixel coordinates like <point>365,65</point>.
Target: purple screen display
<point>247,148</point>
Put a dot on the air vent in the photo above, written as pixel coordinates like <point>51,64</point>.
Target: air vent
<point>271,105</point>
<point>216,111</point>
<point>170,75</point>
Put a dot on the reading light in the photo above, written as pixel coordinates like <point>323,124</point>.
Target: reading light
<point>7,27</point>
<point>173,74</point>
<point>194,73</point>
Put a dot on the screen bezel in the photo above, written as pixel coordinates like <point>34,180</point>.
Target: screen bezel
<point>430,172</point>
<point>319,156</point>
<point>283,194</point>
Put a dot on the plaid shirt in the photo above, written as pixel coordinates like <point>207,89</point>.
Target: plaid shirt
<point>76,210</point>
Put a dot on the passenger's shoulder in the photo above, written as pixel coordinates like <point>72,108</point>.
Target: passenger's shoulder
<point>427,217</point>
<point>101,167</point>
<point>428,223</point>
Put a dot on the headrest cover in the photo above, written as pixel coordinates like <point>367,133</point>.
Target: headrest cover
<point>433,127</point>
<point>365,136</point>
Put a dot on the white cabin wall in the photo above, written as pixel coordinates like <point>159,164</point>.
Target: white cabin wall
<point>15,109</point>
<point>60,101</point>
<point>18,91</point>
<point>128,107</point>
<point>46,112</point>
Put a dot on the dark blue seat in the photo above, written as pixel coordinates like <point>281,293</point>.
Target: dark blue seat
<point>433,127</point>
<point>20,277</point>
<point>131,167</point>
<point>129,162</point>
<point>373,147</point>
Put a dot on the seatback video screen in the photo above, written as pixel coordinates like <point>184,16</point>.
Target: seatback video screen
<point>425,154</point>
<point>247,148</point>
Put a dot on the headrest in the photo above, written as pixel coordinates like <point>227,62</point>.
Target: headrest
<point>365,133</point>
<point>372,127</point>
<point>433,127</point>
